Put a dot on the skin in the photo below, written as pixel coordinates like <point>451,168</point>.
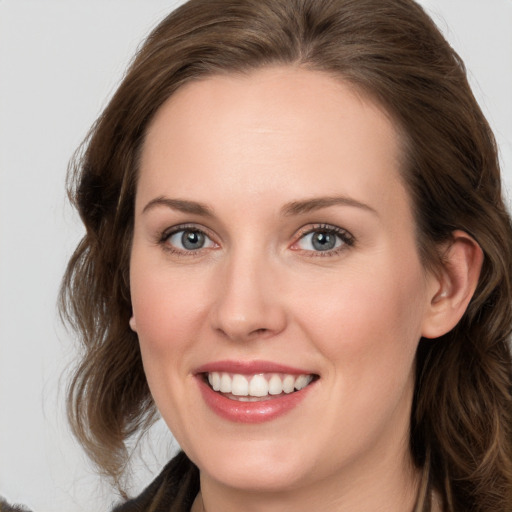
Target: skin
<point>247,147</point>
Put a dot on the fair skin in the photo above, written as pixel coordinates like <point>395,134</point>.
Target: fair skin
<point>272,228</point>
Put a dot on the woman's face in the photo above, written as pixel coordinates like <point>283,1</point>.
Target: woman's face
<point>274,248</point>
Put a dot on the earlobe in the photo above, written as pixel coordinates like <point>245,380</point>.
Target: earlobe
<point>133,325</point>
<point>454,285</point>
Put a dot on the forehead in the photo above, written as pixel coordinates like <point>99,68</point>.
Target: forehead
<point>274,129</point>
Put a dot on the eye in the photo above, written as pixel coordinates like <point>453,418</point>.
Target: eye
<point>324,239</point>
<point>188,239</point>
<point>320,241</point>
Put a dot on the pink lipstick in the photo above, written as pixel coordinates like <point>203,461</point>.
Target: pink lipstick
<point>253,391</point>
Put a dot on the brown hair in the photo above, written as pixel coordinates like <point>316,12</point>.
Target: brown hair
<point>392,51</point>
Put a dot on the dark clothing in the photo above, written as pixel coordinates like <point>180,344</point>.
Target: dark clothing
<point>173,490</point>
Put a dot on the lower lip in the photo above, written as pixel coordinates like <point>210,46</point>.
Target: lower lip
<point>251,412</point>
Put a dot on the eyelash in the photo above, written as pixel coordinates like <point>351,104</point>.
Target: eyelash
<point>346,238</point>
<point>163,240</point>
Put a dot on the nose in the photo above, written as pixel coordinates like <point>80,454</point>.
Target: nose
<point>248,304</point>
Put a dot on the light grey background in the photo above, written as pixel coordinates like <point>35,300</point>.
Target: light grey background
<point>60,61</point>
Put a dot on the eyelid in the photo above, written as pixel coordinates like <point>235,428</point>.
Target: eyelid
<point>345,236</point>
<point>164,236</point>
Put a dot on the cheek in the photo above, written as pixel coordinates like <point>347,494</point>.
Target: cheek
<point>166,314</point>
<point>368,327</point>
<point>368,321</point>
<point>166,308</point>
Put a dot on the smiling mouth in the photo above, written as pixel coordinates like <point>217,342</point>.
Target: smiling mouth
<point>256,387</point>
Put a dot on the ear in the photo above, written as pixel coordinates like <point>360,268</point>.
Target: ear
<point>452,288</point>
<point>133,324</point>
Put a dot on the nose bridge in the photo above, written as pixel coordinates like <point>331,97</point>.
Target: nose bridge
<point>247,300</point>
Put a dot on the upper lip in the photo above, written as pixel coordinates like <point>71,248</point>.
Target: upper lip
<point>250,368</point>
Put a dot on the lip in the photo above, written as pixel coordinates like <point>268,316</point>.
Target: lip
<point>250,368</point>
<point>250,412</point>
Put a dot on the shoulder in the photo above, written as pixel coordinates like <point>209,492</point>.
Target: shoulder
<point>176,486</point>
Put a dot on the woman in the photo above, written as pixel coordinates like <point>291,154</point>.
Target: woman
<point>297,251</point>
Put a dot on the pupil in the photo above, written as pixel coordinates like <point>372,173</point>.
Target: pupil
<point>192,240</point>
<point>323,241</point>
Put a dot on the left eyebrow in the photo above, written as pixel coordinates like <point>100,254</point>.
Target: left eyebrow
<point>181,205</point>
<point>317,203</point>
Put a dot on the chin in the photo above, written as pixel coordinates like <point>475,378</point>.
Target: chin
<point>257,476</point>
<point>254,465</point>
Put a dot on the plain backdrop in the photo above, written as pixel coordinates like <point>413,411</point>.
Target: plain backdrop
<point>60,61</point>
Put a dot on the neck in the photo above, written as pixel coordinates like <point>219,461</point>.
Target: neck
<point>382,487</point>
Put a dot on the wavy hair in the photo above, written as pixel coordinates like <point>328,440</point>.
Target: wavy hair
<point>461,418</point>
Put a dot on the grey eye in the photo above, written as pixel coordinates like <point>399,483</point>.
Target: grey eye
<point>189,240</point>
<point>320,240</point>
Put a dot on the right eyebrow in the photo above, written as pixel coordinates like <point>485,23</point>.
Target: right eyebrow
<point>180,205</point>
<point>318,203</point>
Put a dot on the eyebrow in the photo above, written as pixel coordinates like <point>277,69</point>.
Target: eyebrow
<point>317,203</point>
<point>289,209</point>
<point>180,205</point>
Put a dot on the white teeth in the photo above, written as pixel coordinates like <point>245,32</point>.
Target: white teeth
<point>275,385</point>
<point>302,381</point>
<point>225,383</point>
<point>257,386</point>
<point>288,384</point>
<point>239,386</point>
<point>214,380</point>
